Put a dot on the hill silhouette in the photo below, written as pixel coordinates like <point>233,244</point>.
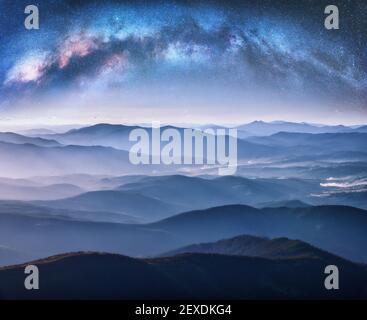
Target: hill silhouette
<point>188,276</point>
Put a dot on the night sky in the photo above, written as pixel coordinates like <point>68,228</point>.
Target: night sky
<point>182,62</point>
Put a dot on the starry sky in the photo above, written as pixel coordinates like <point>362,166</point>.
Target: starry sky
<point>219,62</point>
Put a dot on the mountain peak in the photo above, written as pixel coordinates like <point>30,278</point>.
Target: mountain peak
<point>253,246</point>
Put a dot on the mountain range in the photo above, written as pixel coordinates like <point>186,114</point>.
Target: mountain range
<point>50,192</point>
<point>10,137</point>
<point>103,150</point>
<point>142,207</point>
<point>337,229</point>
<point>261,128</point>
<point>114,230</point>
<point>188,276</point>
<point>250,246</point>
<point>153,197</point>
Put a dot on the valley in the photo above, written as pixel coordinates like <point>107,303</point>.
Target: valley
<point>298,202</point>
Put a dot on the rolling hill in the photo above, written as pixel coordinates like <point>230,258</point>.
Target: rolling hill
<point>157,197</point>
<point>103,150</point>
<point>336,229</point>
<point>32,210</point>
<point>44,233</point>
<point>195,193</point>
<point>250,246</point>
<point>19,161</point>
<point>144,207</point>
<point>285,203</point>
<point>188,276</point>
<point>15,138</point>
<point>261,128</point>
<point>108,135</point>
<point>50,192</point>
<point>330,142</point>
<point>117,136</point>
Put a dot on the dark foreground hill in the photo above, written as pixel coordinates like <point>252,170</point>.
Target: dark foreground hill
<point>190,276</point>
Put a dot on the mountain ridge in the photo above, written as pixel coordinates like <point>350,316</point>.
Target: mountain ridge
<point>99,276</point>
<point>245,245</point>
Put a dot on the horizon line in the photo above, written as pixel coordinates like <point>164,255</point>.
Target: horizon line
<point>70,125</point>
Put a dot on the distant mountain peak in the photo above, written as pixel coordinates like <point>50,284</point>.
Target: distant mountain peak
<point>253,246</point>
